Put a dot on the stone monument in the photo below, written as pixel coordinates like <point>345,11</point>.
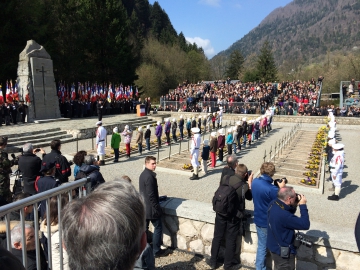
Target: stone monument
<point>36,83</point>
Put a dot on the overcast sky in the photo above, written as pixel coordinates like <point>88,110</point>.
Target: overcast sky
<point>216,24</point>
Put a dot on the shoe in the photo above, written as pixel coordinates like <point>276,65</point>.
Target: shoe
<point>333,197</point>
<point>211,264</point>
<point>115,161</point>
<point>233,267</point>
<point>194,177</point>
<point>162,253</point>
<point>332,189</point>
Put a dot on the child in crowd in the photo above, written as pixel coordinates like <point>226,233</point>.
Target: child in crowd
<point>205,155</point>
<point>127,133</point>
<point>147,136</point>
<point>229,141</point>
<point>115,143</point>
<point>139,140</point>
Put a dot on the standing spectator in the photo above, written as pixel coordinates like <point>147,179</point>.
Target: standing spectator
<point>158,133</point>
<point>63,170</point>
<point>167,130</point>
<point>181,127</point>
<point>100,109</point>
<point>30,165</point>
<point>149,190</point>
<point>173,129</point>
<point>139,139</point>
<point>127,133</point>
<point>115,143</point>
<point>188,128</point>
<point>230,225</point>
<point>213,119</point>
<point>263,192</point>
<point>250,130</point>
<point>283,223</point>
<point>240,131</point>
<point>147,136</point>
<point>344,88</point>
<point>244,125</point>
<point>199,123</point>
<point>100,142</point>
<point>229,141</point>
<point>205,155</point>
<point>221,144</point>
<point>213,149</point>
<point>234,140</point>
<point>78,161</point>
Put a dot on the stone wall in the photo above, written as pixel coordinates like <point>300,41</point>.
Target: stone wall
<point>189,226</point>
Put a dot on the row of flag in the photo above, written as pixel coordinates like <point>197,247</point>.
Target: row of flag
<point>11,93</point>
<point>94,92</point>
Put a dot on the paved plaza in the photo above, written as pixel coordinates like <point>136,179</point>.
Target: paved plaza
<point>339,217</point>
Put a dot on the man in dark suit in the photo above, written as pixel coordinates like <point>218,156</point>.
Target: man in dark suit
<point>149,190</point>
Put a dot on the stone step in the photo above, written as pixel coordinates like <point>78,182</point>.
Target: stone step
<point>27,137</point>
<point>42,142</point>
<point>25,133</point>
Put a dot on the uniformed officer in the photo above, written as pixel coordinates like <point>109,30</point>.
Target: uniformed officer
<point>194,152</point>
<point>100,142</point>
<point>5,170</point>
<point>336,168</point>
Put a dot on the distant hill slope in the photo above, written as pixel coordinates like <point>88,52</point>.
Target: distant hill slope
<point>303,30</point>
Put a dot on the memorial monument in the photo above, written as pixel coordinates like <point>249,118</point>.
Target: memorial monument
<point>36,83</point>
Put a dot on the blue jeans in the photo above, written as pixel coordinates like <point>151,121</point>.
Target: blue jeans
<point>157,235</point>
<point>260,262</point>
<point>147,143</point>
<point>244,138</point>
<point>234,147</point>
<point>181,132</point>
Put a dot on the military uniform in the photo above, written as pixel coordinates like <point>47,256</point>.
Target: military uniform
<point>5,170</point>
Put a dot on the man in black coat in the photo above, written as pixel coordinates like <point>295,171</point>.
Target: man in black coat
<point>229,169</point>
<point>63,170</point>
<point>149,189</point>
<point>30,165</point>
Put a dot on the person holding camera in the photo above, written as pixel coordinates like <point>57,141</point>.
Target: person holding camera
<point>30,165</point>
<point>282,223</point>
<point>264,191</point>
<point>229,215</point>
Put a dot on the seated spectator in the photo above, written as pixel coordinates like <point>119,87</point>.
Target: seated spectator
<point>16,245</point>
<point>92,170</point>
<point>79,161</point>
<point>113,217</point>
<point>30,165</point>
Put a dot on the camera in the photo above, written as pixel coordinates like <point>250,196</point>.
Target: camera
<point>297,198</point>
<point>301,240</point>
<point>249,172</point>
<point>71,163</point>
<point>277,181</point>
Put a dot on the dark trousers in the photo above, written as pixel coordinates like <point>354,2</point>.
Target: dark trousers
<point>282,263</point>
<point>229,148</point>
<point>221,154</point>
<point>181,132</point>
<point>167,137</point>
<point>157,235</point>
<point>159,141</point>
<point>230,228</point>
<point>116,153</point>
<point>174,136</point>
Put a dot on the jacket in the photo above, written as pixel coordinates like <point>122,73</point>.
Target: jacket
<point>55,246</point>
<point>158,131</point>
<point>229,139</point>
<point>139,137</point>
<point>148,187</point>
<point>63,170</point>
<point>115,140</point>
<point>263,192</point>
<point>167,127</point>
<point>94,173</point>
<point>281,225</point>
<point>46,183</point>
<point>213,145</point>
<point>221,141</point>
<point>205,152</point>
<point>31,259</point>
<point>29,165</point>
<point>147,134</point>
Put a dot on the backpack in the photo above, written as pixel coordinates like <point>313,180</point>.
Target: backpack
<point>225,200</point>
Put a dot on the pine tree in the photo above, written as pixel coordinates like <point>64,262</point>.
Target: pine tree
<point>265,66</point>
<point>235,64</point>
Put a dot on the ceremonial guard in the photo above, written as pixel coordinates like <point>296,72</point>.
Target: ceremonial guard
<point>336,169</point>
<point>100,142</point>
<point>194,150</point>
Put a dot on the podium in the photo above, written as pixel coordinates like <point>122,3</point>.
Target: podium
<point>140,110</point>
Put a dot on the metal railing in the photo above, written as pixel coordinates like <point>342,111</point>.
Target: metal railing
<point>34,200</point>
<point>342,102</point>
<point>319,95</point>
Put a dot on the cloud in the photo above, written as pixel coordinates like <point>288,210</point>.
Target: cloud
<point>214,3</point>
<point>203,43</point>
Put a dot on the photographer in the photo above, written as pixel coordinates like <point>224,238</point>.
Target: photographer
<point>264,192</point>
<point>62,165</point>
<point>282,224</point>
<point>228,219</point>
<point>5,170</point>
<point>30,165</point>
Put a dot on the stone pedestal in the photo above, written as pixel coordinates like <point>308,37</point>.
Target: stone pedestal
<point>36,83</point>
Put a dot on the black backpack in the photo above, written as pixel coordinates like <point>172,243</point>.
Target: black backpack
<point>226,200</point>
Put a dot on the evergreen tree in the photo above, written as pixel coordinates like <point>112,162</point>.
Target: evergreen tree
<point>235,64</point>
<point>265,66</point>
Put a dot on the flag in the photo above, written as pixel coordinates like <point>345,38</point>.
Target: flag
<point>16,93</point>
<point>73,94</point>
<point>1,95</point>
<point>9,97</point>
<point>136,91</point>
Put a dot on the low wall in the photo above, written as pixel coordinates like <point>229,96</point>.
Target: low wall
<point>276,118</point>
<point>189,225</point>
